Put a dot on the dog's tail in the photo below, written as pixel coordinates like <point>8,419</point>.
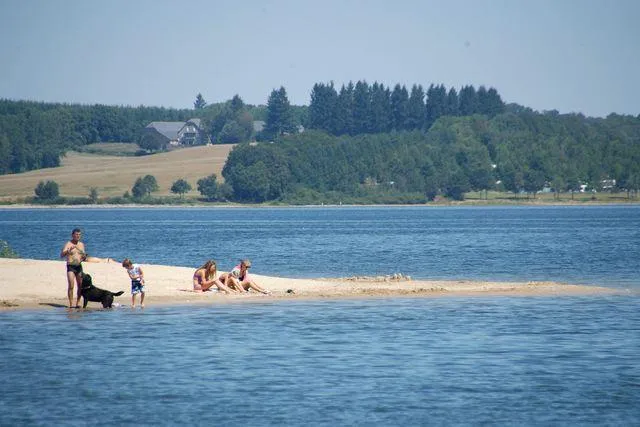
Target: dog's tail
<point>117,294</point>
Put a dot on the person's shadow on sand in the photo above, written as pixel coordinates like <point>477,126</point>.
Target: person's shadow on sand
<point>52,304</point>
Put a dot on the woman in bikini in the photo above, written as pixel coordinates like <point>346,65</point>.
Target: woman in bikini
<point>239,279</point>
<point>205,277</point>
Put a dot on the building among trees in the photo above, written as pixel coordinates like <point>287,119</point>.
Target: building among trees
<point>176,133</point>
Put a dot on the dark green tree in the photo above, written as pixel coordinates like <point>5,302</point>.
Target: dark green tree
<point>399,107</point>
<point>493,103</point>
<point>512,178</point>
<point>323,108</point>
<point>180,187</point>
<point>381,118</point>
<point>344,111</point>
<point>152,141</point>
<point>237,104</point>
<point>452,108</point>
<point>47,191</point>
<point>144,186</point>
<point>139,190</point>
<point>534,180</point>
<point>258,173</point>
<point>416,110</point>
<point>279,114</point>
<point>208,187</point>
<point>573,183</point>
<point>558,185</point>
<point>361,108</point>
<point>5,153</point>
<point>199,103</point>
<point>468,101</point>
<point>436,103</point>
<point>232,133</point>
<point>93,195</point>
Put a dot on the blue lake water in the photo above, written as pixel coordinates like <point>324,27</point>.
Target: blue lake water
<point>595,245</point>
<point>423,361</point>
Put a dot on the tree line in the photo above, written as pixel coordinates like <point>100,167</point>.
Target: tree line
<point>35,135</point>
<point>48,192</point>
<point>363,140</point>
<point>363,108</point>
<point>517,151</point>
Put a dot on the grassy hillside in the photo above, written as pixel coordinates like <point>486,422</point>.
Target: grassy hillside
<point>114,175</point>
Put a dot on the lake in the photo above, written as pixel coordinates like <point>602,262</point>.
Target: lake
<point>427,361</point>
<point>591,245</point>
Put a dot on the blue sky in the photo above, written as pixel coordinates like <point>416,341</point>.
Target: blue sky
<point>570,55</point>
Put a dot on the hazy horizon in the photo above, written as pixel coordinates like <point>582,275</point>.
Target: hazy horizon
<point>571,56</point>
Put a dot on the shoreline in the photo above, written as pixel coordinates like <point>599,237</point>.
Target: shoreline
<point>27,284</point>
<point>466,203</point>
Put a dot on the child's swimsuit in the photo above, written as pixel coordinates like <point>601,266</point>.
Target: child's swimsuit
<point>137,285</point>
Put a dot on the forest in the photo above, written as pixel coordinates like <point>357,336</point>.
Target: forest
<point>360,141</point>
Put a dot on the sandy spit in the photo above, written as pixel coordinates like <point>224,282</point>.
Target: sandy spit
<point>40,284</point>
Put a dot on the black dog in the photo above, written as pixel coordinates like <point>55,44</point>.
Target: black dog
<point>91,293</point>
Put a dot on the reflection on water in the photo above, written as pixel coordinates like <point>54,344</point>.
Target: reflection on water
<point>524,361</point>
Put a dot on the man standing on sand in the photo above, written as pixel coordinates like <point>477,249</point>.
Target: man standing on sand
<point>73,250</point>
<point>75,254</point>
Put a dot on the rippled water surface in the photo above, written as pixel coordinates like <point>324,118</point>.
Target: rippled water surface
<point>593,245</point>
<point>426,361</point>
<point>517,361</point>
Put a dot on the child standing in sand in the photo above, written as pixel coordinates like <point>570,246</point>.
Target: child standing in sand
<point>137,281</point>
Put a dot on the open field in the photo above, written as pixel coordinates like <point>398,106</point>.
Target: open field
<point>113,175</point>
<point>112,148</point>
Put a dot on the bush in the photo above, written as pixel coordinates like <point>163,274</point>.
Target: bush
<point>6,251</point>
<point>93,195</point>
<point>144,186</point>
<point>76,201</point>
<point>47,190</point>
<point>180,187</point>
<point>209,187</point>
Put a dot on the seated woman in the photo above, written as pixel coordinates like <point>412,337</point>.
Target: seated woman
<point>239,279</point>
<point>205,277</point>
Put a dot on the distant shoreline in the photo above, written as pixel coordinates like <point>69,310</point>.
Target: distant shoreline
<point>468,203</point>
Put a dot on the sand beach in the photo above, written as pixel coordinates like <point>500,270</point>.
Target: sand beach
<point>40,284</point>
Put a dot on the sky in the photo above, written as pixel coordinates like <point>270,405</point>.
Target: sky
<point>580,56</point>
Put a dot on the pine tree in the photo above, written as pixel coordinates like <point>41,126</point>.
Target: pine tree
<point>416,110</point>
<point>199,103</point>
<point>436,103</point>
<point>361,108</point>
<point>453,108</point>
<point>380,119</point>
<point>344,111</point>
<point>279,114</point>
<point>468,101</point>
<point>322,109</point>
<point>399,107</point>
